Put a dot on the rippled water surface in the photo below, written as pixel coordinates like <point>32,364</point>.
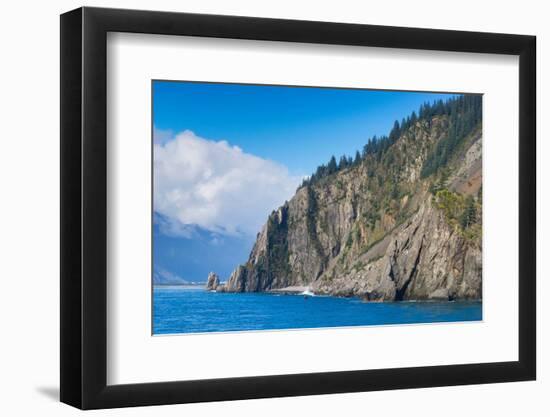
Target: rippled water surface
<point>194,310</point>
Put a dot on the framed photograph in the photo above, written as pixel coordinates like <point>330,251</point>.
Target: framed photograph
<point>257,208</point>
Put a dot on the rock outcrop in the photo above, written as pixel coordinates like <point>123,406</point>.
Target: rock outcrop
<point>424,259</point>
<point>380,229</point>
<point>213,281</point>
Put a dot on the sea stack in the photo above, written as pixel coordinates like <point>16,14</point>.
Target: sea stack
<point>212,282</point>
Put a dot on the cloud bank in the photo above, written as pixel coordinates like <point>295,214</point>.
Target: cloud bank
<point>215,186</point>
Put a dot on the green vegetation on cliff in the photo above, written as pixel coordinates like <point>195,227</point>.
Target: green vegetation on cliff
<point>464,113</point>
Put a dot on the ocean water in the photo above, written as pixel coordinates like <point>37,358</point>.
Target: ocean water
<point>194,310</point>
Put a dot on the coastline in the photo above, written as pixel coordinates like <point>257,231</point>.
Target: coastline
<point>295,289</point>
<point>306,291</point>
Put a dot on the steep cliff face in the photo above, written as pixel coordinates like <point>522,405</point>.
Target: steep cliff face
<point>378,228</point>
<point>424,258</point>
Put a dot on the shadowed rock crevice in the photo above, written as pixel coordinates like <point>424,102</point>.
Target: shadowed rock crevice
<point>400,292</point>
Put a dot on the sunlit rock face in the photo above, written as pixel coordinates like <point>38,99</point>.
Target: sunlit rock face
<point>212,282</point>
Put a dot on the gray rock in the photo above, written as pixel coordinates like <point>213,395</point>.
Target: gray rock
<point>440,294</point>
<point>212,282</point>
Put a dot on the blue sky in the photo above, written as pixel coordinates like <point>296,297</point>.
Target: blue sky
<point>226,155</point>
<point>299,127</point>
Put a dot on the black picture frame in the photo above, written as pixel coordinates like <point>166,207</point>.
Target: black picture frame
<point>84,207</point>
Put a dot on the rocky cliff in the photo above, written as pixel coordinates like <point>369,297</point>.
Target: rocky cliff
<point>403,222</point>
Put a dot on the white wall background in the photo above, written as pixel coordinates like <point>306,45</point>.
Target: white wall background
<point>29,226</point>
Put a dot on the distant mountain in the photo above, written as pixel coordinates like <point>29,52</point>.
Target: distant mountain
<point>194,256</point>
<point>164,277</point>
<point>399,221</point>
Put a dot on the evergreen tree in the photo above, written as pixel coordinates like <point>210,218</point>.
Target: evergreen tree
<point>332,166</point>
<point>469,215</point>
<point>357,159</point>
<point>343,164</point>
<point>395,132</point>
<point>413,118</point>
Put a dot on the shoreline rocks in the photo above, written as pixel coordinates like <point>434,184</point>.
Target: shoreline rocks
<point>213,281</point>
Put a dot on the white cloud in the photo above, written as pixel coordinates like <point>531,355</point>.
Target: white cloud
<point>216,186</point>
<point>162,136</point>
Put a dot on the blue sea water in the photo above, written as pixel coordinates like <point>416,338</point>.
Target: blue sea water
<point>194,310</point>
